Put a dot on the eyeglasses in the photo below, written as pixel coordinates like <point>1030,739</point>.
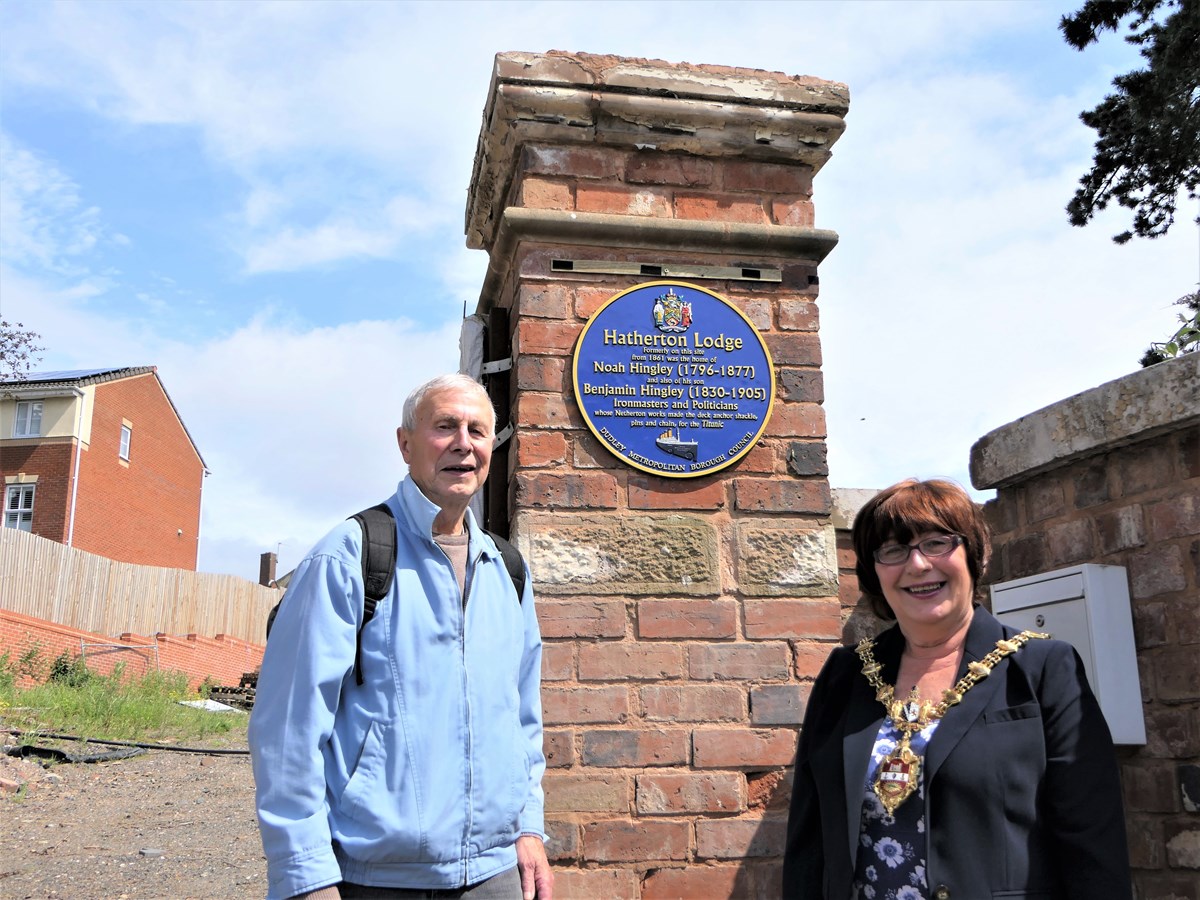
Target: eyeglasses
<point>931,548</point>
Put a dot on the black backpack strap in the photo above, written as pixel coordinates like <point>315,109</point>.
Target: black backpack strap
<point>514,562</point>
<point>378,566</point>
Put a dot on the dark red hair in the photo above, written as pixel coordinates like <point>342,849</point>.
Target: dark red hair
<point>906,510</point>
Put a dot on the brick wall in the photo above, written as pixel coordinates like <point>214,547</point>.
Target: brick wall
<point>52,462</point>
<point>684,619</point>
<point>134,512</point>
<point>222,659</point>
<point>1131,498</point>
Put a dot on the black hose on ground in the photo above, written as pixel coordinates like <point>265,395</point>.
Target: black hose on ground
<point>145,745</point>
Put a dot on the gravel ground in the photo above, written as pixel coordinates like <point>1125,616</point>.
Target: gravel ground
<point>165,824</point>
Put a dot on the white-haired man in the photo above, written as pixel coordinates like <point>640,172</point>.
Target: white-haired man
<point>424,779</point>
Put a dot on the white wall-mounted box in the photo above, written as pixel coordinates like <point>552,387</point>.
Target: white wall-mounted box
<point>1087,606</point>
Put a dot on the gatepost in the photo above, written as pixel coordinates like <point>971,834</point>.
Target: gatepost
<point>666,476</point>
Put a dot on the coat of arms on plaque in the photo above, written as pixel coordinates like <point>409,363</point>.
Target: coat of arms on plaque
<point>672,313</point>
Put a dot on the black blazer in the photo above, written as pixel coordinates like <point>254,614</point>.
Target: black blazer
<point>1022,792</point>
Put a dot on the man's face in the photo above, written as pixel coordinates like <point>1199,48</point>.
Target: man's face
<point>450,446</point>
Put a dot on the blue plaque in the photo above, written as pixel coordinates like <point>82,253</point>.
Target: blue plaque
<point>673,379</point>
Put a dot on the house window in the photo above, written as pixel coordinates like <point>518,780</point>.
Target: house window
<point>18,507</point>
<point>29,419</point>
<point>126,434</point>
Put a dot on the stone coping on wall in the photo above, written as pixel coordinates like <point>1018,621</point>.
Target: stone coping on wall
<point>705,110</point>
<point>1163,397</point>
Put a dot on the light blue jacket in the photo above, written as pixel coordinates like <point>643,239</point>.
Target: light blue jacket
<point>423,776</point>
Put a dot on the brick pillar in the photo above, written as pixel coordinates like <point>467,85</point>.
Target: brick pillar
<point>684,619</point>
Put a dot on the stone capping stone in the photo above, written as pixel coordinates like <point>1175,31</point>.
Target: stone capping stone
<point>715,111</point>
<point>1164,397</point>
<point>846,504</point>
<point>553,226</point>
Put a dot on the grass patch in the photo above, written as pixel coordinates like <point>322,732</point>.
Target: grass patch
<point>74,700</point>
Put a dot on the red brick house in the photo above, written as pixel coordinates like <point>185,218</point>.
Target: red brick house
<point>100,460</point>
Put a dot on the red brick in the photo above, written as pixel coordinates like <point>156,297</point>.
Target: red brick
<point>541,449</point>
<point>801,385</point>
<point>621,840</point>
<point>558,661</point>
<point>614,749</point>
<point>649,167</point>
<point>582,490</point>
<point>588,300</point>
<point>793,211</point>
<point>761,458</point>
<point>696,882</point>
<point>781,495</point>
<point>693,703</point>
<point>687,618</point>
<point>590,884</point>
<point>797,420</point>
<point>810,657</point>
<point>628,660</point>
<point>543,193</point>
<point>715,662</point>
<point>767,178</point>
<point>558,745</point>
<point>798,314</point>
<point>581,706</point>
<point>743,748</point>
<point>539,410</point>
<point>542,373</point>
<point>623,201</point>
<point>719,208</point>
<point>576,162</point>
<point>794,348</point>
<point>740,838</point>
<point>788,618</point>
<point>659,795</point>
<point>563,844</point>
<point>546,336</point>
<point>778,704</point>
<point>651,492</point>
<point>759,310</point>
<point>581,617</point>
<point>591,793</point>
<point>546,301</point>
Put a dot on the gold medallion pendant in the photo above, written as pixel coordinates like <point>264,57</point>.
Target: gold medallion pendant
<point>898,777</point>
<point>900,771</point>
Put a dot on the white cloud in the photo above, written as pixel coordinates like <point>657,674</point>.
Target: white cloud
<point>44,222</point>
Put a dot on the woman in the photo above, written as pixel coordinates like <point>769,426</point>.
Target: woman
<point>951,757</point>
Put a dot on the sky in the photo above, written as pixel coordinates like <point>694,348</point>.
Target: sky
<point>265,201</point>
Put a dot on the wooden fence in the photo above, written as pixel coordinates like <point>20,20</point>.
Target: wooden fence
<point>45,579</point>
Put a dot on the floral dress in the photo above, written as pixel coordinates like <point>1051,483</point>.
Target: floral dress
<point>891,849</point>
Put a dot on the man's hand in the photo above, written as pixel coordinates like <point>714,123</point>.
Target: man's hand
<point>537,881</point>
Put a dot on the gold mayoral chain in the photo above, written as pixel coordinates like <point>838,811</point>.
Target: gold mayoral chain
<point>900,771</point>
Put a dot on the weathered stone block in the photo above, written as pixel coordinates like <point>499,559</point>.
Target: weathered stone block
<point>786,560</point>
<point>740,838</point>
<point>627,554</point>
<point>777,704</point>
<point>586,793</point>
<point>659,795</point>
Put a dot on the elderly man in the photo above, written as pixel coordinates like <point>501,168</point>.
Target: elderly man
<point>425,778</point>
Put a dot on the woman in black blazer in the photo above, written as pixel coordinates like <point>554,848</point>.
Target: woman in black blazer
<point>951,757</point>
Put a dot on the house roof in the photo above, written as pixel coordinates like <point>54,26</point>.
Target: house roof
<point>74,377</point>
<point>46,383</point>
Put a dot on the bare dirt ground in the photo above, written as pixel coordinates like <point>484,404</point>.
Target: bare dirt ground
<point>161,826</point>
